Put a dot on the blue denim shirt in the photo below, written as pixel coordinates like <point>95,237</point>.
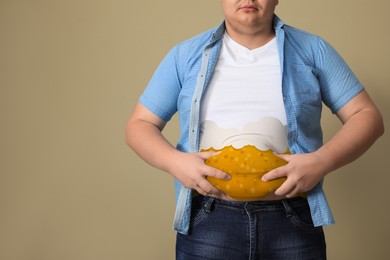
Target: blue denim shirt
<point>312,72</point>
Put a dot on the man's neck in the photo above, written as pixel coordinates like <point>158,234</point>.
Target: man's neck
<point>251,39</point>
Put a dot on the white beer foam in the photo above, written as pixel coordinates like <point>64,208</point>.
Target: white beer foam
<point>265,134</point>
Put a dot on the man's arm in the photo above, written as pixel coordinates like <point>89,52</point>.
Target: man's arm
<point>143,135</point>
<point>362,126</point>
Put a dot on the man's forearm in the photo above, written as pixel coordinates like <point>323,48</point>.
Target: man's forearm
<point>148,142</point>
<point>143,135</point>
<point>353,139</point>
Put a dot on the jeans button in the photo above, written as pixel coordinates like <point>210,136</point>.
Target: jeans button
<point>249,207</point>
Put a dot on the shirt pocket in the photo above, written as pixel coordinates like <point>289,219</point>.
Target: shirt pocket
<point>305,87</point>
<point>305,103</point>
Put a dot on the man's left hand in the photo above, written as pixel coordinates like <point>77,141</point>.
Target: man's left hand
<point>303,172</point>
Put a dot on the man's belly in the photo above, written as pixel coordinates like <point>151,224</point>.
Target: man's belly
<point>246,166</point>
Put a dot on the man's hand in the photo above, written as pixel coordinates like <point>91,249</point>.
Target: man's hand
<point>303,172</point>
<point>362,125</point>
<point>190,169</point>
<point>143,135</point>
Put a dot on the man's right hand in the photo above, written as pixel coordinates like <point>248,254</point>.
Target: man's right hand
<point>143,135</point>
<point>192,172</point>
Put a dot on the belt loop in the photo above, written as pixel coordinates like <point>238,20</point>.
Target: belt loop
<point>208,205</point>
<point>287,208</point>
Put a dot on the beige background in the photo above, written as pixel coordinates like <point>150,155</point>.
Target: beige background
<point>71,72</point>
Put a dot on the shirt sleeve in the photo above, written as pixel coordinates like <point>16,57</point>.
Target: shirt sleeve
<point>161,94</point>
<point>338,83</point>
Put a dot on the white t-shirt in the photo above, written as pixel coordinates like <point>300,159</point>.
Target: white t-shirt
<point>243,104</point>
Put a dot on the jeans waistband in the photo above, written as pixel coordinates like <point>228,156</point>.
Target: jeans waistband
<point>284,204</point>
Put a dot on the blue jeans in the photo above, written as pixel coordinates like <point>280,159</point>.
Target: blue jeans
<point>251,230</point>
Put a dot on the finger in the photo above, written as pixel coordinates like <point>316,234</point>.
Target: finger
<point>207,189</point>
<point>208,154</point>
<point>203,191</point>
<point>283,156</point>
<point>214,172</point>
<point>275,174</point>
<point>286,188</point>
<point>222,195</point>
<point>294,193</point>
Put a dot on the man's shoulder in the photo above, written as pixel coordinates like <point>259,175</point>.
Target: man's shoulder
<point>299,33</point>
<point>299,40</point>
<point>197,42</point>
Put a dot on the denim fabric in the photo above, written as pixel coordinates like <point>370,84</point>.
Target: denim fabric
<point>313,73</point>
<point>251,230</point>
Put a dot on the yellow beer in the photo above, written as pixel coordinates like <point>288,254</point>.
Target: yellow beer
<point>246,166</point>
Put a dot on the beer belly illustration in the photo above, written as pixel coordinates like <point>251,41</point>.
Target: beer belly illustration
<point>246,155</point>
<point>246,166</point>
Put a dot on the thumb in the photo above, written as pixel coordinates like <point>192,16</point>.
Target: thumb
<point>283,156</point>
<point>208,154</point>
